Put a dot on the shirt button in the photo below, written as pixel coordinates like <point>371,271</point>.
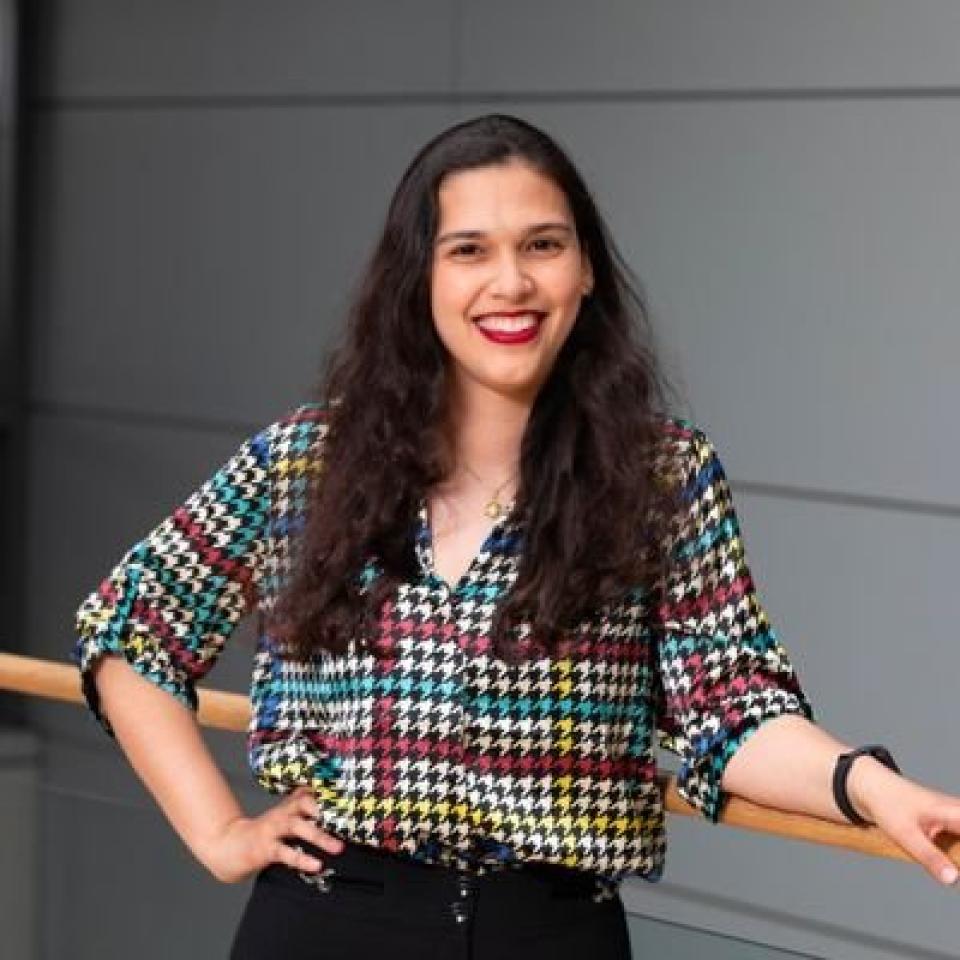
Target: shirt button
<point>459,912</point>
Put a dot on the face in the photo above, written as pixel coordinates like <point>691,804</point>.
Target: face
<point>508,275</point>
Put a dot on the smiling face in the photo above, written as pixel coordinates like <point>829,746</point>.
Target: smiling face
<point>507,278</point>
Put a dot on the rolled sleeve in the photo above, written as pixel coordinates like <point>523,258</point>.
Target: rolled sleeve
<point>172,601</point>
<point>722,669</point>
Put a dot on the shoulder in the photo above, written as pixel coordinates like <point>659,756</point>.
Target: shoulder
<point>297,429</point>
<point>292,443</point>
<point>682,452</point>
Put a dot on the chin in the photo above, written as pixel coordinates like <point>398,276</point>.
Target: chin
<point>514,384</point>
<point>516,389</point>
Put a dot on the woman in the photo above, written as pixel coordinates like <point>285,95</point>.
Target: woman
<point>489,565</point>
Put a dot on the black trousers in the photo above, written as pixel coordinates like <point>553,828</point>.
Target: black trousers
<point>379,905</point>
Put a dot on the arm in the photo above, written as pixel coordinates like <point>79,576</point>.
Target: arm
<point>154,627</point>
<point>788,764</point>
<point>162,740</point>
<point>730,701</point>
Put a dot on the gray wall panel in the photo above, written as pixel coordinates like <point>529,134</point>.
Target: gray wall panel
<point>749,45</point>
<point>111,48</point>
<point>800,262</point>
<point>194,263</point>
<point>655,938</point>
<point>119,883</point>
<point>21,894</point>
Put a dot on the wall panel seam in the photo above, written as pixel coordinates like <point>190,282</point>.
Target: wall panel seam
<point>776,491</point>
<point>458,97</point>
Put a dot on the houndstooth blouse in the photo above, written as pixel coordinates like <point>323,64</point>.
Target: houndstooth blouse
<point>437,749</point>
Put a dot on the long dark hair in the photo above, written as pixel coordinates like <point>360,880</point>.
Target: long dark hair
<point>587,496</point>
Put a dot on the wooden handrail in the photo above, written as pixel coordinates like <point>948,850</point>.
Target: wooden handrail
<point>231,711</point>
<point>61,681</point>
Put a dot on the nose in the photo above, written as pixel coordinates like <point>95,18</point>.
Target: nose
<point>510,280</point>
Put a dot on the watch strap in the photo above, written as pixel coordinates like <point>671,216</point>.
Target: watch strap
<point>842,771</point>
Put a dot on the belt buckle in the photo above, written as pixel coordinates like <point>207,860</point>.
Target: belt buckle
<point>321,880</point>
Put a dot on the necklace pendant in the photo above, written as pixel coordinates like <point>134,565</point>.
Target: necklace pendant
<point>493,509</point>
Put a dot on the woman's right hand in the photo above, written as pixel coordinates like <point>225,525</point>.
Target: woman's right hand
<point>247,844</point>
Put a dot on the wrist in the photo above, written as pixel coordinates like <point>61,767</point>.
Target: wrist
<point>205,845</point>
<point>864,782</point>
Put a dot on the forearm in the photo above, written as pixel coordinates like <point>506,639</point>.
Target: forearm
<point>788,764</point>
<point>161,738</point>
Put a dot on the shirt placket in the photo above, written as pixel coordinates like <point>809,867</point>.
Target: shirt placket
<point>468,608</point>
<point>473,607</point>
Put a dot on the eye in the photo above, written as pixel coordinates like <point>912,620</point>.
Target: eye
<point>464,249</point>
<point>547,243</point>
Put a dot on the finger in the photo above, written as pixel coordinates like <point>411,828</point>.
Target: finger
<point>327,841</point>
<point>934,861</point>
<point>307,804</point>
<point>292,855</point>
<point>946,819</point>
<point>310,832</point>
<point>943,829</point>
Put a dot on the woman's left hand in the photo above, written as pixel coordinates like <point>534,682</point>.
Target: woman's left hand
<point>909,813</point>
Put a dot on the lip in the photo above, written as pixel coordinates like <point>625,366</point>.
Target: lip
<point>510,337</point>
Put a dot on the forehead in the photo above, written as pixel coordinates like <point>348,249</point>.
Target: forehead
<point>499,197</point>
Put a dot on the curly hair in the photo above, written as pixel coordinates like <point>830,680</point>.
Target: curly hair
<point>587,495</point>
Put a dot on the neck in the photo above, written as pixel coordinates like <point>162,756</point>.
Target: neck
<point>487,429</point>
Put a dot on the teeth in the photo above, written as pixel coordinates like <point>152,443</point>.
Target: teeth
<point>510,324</point>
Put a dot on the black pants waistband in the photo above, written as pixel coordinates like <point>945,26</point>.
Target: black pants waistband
<point>368,902</point>
<point>360,864</point>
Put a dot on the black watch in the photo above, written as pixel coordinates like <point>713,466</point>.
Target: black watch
<point>842,770</point>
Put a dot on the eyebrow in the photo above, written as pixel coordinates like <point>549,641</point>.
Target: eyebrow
<point>475,234</point>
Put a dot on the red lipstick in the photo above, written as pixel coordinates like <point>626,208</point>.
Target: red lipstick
<point>511,336</point>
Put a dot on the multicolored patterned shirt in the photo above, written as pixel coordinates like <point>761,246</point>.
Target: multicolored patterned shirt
<point>435,748</point>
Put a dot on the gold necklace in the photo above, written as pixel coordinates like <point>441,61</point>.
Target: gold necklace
<point>493,508</point>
